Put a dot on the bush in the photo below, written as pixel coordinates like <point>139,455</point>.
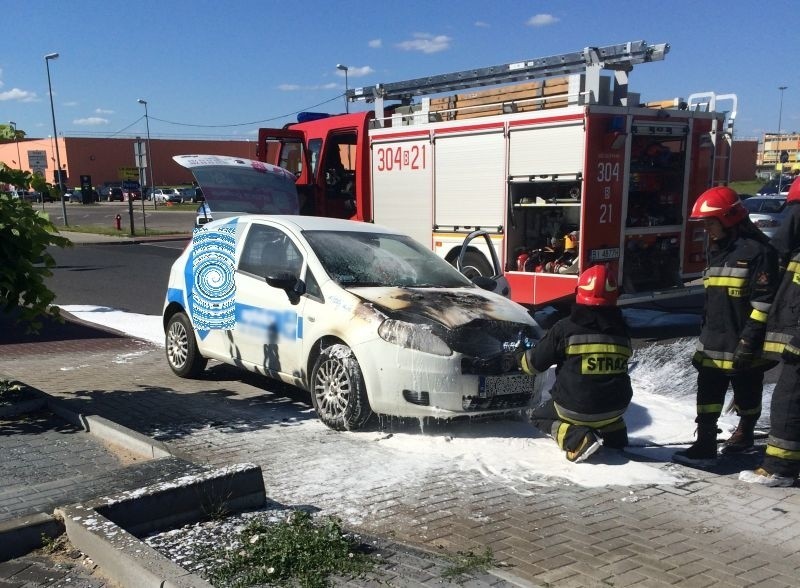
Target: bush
<point>25,262</point>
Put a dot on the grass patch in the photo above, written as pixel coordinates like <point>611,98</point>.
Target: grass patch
<point>468,562</point>
<point>749,187</point>
<point>98,230</point>
<point>296,551</point>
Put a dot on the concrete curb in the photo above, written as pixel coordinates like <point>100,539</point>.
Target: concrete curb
<point>23,534</point>
<point>106,529</point>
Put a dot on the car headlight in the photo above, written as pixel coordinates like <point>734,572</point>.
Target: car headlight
<point>413,336</point>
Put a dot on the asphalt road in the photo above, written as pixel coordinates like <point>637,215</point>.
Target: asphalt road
<point>129,277</point>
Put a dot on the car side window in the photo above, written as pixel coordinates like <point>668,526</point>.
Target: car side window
<point>312,286</point>
<point>268,251</point>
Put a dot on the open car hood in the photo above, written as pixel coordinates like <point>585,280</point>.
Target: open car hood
<point>234,185</point>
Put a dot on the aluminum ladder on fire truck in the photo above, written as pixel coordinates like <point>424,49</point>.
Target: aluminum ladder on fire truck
<point>590,61</point>
<point>720,137</point>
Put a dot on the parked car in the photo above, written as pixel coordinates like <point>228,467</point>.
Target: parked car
<point>767,212</point>
<point>164,195</point>
<point>364,318</point>
<point>133,195</point>
<point>772,188</point>
<point>116,194</point>
<point>193,194</point>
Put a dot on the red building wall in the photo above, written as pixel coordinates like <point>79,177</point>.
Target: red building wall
<point>106,159</point>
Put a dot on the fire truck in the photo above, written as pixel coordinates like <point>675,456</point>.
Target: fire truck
<point>553,161</point>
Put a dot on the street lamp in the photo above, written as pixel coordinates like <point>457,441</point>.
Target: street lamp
<point>47,59</point>
<point>149,152</point>
<point>345,69</point>
<point>16,141</point>
<point>778,158</point>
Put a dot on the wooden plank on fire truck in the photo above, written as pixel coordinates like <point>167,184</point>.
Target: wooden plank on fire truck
<point>669,103</point>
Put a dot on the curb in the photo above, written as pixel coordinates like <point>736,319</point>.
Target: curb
<point>22,535</point>
<point>106,529</point>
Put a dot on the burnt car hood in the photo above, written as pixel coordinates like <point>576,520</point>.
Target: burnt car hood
<point>449,307</point>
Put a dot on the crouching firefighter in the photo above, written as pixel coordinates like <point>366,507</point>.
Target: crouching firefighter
<point>739,282</point>
<point>590,349</point>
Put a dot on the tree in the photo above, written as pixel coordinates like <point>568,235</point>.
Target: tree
<point>24,260</point>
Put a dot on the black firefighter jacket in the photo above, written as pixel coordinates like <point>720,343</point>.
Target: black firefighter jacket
<point>740,283</point>
<point>590,349</point>
<point>783,324</point>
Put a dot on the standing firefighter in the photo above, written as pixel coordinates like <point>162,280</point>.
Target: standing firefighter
<point>740,282</point>
<point>781,464</point>
<point>590,349</point>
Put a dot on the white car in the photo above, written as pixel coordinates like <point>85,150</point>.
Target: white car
<point>365,319</point>
<point>167,195</point>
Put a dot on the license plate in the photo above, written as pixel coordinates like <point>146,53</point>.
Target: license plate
<point>602,254</point>
<point>501,385</point>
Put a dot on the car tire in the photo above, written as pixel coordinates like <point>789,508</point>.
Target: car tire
<point>182,354</point>
<point>338,392</point>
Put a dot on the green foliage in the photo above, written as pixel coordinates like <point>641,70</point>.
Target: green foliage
<point>25,262</point>
<point>468,563</point>
<point>297,551</point>
<point>15,177</point>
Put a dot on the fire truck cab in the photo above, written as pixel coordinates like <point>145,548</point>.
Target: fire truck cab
<point>562,172</point>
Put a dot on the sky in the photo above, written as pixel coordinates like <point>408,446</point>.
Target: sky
<point>660,420</point>
<point>211,69</point>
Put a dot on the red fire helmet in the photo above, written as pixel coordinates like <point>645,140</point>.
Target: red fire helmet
<point>794,191</point>
<point>597,286</point>
<point>720,203</point>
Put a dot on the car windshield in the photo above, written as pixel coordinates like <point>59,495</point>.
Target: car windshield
<point>379,259</point>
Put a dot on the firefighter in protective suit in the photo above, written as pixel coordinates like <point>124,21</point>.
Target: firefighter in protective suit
<point>740,282</point>
<point>781,463</point>
<point>590,349</point>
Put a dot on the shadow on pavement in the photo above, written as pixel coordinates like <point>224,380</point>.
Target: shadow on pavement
<point>14,332</point>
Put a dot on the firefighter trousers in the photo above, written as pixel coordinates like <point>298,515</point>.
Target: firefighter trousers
<point>569,433</point>
<point>783,447</point>
<point>712,384</point>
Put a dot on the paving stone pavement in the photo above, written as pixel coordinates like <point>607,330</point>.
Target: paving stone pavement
<point>709,530</point>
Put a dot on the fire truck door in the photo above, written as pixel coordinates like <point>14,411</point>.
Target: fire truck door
<point>497,282</point>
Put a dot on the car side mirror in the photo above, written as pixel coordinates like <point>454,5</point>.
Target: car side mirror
<point>289,283</point>
<point>485,283</point>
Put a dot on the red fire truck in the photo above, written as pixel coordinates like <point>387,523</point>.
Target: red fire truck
<point>558,165</point>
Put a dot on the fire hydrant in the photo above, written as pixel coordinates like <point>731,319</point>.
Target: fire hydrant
<point>118,222</point>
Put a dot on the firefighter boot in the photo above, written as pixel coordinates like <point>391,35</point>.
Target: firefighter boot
<point>702,452</point>
<point>741,440</point>
<point>587,446</point>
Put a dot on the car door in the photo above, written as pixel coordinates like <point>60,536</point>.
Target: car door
<point>269,321</point>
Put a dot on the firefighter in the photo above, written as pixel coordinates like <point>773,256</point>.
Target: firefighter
<point>590,349</point>
<point>781,463</point>
<point>740,282</point>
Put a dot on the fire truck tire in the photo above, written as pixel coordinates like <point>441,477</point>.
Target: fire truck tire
<point>475,264</point>
<point>338,392</point>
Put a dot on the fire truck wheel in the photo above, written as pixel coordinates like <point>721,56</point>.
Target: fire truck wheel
<point>338,392</point>
<point>475,264</point>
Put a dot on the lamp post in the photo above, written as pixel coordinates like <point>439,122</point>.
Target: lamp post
<point>149,152</point>
<point>47,59</point>
<point>778,149</point>
<point>345,69</point>
<point>16,141</point>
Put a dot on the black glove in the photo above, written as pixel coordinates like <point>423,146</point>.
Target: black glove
<point>790,353</point>
<point>743,356</point>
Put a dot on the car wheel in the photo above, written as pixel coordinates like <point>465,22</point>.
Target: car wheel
<point>182,354</point>
<point>338,391</point>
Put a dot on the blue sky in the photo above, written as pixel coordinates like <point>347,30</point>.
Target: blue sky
<point>214,68</point>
